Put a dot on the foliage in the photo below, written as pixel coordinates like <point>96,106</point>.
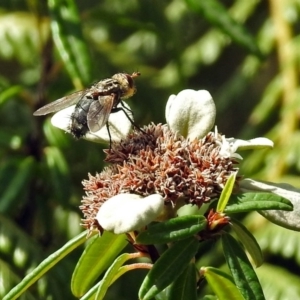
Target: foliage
<point>244,52</point>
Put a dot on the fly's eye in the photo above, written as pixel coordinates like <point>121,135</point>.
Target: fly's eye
<point>130,80</point>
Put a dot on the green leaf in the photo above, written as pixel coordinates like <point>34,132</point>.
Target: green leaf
<point>222,284</point>
<point>67,35</point>
<point>279,282</point>
<point>168,267</point>
<point>19,184</point>
<point>185,286</point>
<point>278,241</point>
<point>21,254</point>
<point>226,193</point>
<point>218,15</point>
<point>8,169</point>
<point>44,266</point>
<point>9,92</point>
<point>257,201</point>
<point>21,35</point>
<point>14,241</point>
<point>9,140</point>
<point>95,259</point>
<point>241,269</point>
<point>172,230</point>
<point>58,170</point>
<point>55,137</point>
<point>287,219</point>
<point>249,241</point>
<point>210,297</point>
<point>110,275</point>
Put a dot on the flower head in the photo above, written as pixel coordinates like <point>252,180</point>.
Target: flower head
<point>161,162</point>
<point>178,163</point>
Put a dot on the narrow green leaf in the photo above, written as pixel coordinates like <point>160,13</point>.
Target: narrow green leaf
<point>54,136</point>
<point>168,267</point>
<point>11,140</point>
<point>21,36</point>
<point>217,14</point>
<point>95,259</point>
<point>67,35</point>
<point>9,92</point>
<point>163,295</point>
<point>257,201</point>
<point>109,276</point>
<point>210,297</point>
<point>8,169</point>
<point>222,284</point>
<point>241,269</point>
<point>172,230</point>
<point>18,184</point>
<point>185,286</point>
<point>91,293</point>
<point>58,170</point>
<point>249,241</point>
<point>77,41</point>
<point>226,193</point>
<point>115,274</point>
<point>44,266</point>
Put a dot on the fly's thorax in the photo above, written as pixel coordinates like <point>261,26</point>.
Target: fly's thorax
<point>104,88</point>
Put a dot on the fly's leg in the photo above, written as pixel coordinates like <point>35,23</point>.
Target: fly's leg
<point>124,108</point>
<point>109,135</point>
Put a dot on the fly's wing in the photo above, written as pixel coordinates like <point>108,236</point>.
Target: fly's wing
<point>99,112</point>
<point>60,104</point>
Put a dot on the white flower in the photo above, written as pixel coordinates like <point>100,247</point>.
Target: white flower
<point>229,146</point>
<point>119,125</point>
<point>128,212</point>
<point>191,113</point>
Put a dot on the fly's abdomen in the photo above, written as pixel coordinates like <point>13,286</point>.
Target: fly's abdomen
<point>78,125</point>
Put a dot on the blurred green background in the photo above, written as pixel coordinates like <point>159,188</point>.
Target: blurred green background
<point>244,52</point>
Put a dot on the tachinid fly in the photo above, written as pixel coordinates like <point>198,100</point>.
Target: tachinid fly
<point>94,104</point>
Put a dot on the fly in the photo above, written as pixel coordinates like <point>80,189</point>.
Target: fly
<point>94,104</point>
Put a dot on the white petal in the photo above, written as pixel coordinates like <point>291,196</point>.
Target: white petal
<point>287,219</point>
<point>229,146</point>
<point>191,113</point>
<point>127,212</point>
<point>257,143</point>
<point>61,119</point>
<point>119,125</point>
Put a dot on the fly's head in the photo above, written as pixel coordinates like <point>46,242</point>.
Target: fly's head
<point>126,82</point>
